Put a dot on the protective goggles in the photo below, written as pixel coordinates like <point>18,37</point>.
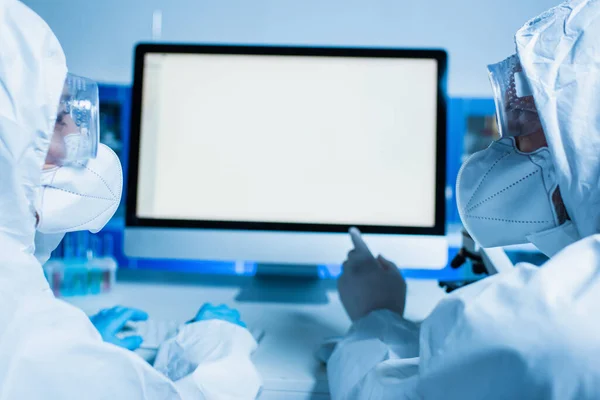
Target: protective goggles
<point>515,106</point>
<point>77,127</point>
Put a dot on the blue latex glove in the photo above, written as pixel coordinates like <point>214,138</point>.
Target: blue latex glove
<point>220,312</point>
<point>111,321</point>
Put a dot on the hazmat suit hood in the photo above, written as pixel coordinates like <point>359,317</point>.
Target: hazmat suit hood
<point>527,332</point>
<point>32,73</point>
<point>560,54</point>
<point>49,348</point>
<point>530,332</point>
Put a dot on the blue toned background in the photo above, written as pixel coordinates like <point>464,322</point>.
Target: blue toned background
<point>99,36</point>
<point>116,104</point>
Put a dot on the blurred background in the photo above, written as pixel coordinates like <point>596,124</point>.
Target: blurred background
<point>99,37</point>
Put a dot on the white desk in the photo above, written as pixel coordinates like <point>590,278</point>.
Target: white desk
<point>293,332</point>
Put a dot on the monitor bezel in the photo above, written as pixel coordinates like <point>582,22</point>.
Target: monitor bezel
<point>142,49</point>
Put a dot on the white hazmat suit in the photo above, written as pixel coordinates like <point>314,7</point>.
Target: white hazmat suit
<point>48,348</point>
<point>528,333</point>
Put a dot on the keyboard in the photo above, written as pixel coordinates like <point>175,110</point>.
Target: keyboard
<point>155,332</point>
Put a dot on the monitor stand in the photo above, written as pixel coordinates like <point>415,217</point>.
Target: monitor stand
<point>286,283</point>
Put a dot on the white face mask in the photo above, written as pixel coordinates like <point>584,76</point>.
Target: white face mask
<point>504,197</point>
<point>78,197</point>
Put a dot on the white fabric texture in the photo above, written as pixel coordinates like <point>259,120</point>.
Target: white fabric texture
<point>504,195</point>
<point>531,332</point>
<point>528,333</point>
<point>560,54</point>
<point>81,196</point>
<point>49,349</point>
<point>359,368</point>
<point>216,355</point>
<point>45,244</point>
<point>32,63</point>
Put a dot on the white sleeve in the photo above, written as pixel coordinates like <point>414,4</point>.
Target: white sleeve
<point>211,360</point>
<point>527,333</point>
<point>50,350</point>
<point>378,359</point>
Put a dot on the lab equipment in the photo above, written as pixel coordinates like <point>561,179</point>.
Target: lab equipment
<point>82,264</point>
<point>49,340</point>
<point>250,153</point>
<point>468,256</point>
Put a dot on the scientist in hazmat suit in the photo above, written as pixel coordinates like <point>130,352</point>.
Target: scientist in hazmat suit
<point>54,178</point>
<point>528,333</point>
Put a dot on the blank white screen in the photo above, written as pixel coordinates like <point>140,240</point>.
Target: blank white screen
<point>288,139</point>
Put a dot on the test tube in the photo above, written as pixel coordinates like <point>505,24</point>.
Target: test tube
<point>108,246</point>
<point>68,248</point>
<point>83,244</point>
<point>109,276</point>
<point>96,246</point>
<point>58,252</point>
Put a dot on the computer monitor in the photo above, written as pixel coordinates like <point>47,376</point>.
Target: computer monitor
<point>270,154</point>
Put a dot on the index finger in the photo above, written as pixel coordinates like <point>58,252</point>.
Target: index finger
<point>358,242</point>
<point>125,315</point>
<point>135,314</point>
